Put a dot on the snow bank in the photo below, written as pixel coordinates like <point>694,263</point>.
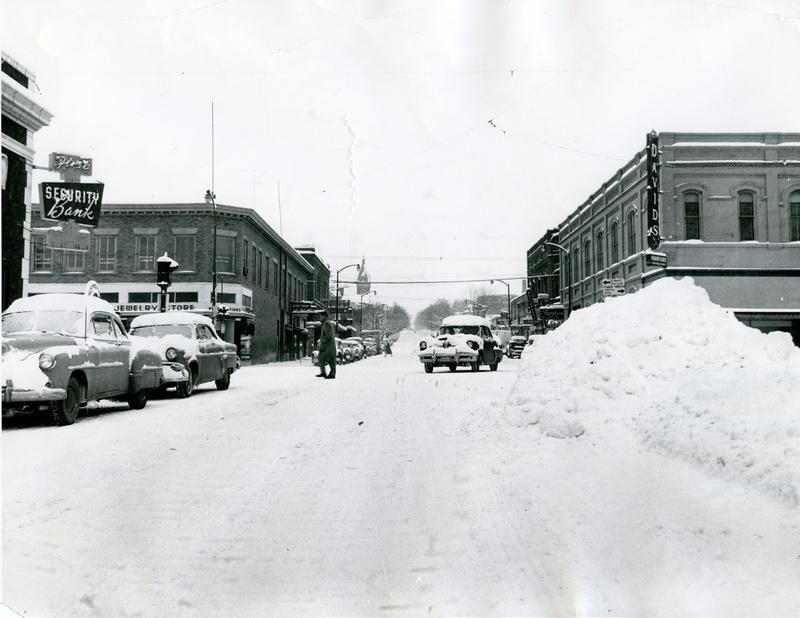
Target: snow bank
<point>678,373</point>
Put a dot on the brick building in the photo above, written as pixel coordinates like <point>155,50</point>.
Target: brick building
<point>260,277</point>
<point>23,115</point>
<point>729,217</point>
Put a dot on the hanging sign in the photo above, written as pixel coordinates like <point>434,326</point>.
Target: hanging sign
<point>72,201</point>
<point>67,162</point>
<point>653,194</point>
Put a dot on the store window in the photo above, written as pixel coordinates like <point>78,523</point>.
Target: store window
<point>794,216</point>
<point>691,215</point>
<point>145,258</point>
<point>747,222</point>
<point>614,243</point>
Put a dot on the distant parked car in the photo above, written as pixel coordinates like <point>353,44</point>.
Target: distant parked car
<point>195,344</point>
<point>370,346</point>
<point>515,346</point>
<point>61,351</point>
<point>462,340</point>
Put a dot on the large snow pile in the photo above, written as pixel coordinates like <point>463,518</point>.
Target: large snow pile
<point>682,375</point>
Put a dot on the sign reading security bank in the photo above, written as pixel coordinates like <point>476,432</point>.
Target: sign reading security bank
<point>72,201</point>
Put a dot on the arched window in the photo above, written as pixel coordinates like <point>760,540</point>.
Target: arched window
<point>614,243</point>
<point>747,216</point>
<point>794,216</point>
<point>587,259</point>
<point>576,273</point>
<point>691,215</point>
<point>631,223</point>
<point>599,262</point>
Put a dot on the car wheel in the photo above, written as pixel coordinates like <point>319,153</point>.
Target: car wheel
<point>428,368</point>
<point>138,400</point>
<point>185,389</point>
<point>224,382</point>
<point>66,411</point>
<point>452,366</point>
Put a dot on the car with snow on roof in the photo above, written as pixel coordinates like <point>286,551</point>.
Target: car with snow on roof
<point>461,341</point>
<point>191,340</point>
<point>516,345</point>
<point>61,351</point>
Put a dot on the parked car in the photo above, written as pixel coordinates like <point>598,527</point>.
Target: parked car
<point>358,347</point>
<point>515,346</point>
<point>462,340</point>
<point>339,353</point>
<point>195,344</point>
<point>61,351</point>
<point>351,351</point>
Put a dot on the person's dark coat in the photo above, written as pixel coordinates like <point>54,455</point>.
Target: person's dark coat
<point>327,343</point>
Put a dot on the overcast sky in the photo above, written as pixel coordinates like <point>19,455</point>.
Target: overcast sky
<point>436,139</point>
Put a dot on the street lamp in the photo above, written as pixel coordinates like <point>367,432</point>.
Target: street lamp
<point>211,199</point>
<point>337,290</point>
<point>508,297</point>
<point>569,276</point>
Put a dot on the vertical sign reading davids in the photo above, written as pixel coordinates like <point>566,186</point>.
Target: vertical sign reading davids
<point>653,194</point>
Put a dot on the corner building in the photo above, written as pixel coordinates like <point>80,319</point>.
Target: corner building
<point>729,218</point>
<point>260,277</point>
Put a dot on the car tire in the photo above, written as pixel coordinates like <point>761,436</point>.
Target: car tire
<point>224,382</point>
<point>65,412</point>
<point>138,400</point>
<point>428,368</point>
<point>452,366</point>
<point>185,389</point>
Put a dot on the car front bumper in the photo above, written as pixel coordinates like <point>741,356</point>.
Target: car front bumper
<point>173,373</point>
<point>12,395</point>
<point>441,357</point>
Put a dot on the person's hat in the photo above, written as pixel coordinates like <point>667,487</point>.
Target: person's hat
<point>323,312</point>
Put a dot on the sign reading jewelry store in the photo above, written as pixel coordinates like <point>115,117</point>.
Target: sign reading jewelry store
<point>653,193</point>
<point>72,201</point>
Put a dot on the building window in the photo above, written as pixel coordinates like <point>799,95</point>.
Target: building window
<point>598,251</point>
<point>747,223</point>
<point>614,243</point>
<point>254,265</point>
<point>247,301</point>
<point>631,223</point>
<point>794,216</point>
<point>106,254</point>
<point>145,259</point>
<point>576,262</point>
<point>41,254</point>
<point>275,281</point>
<point>226,253</point>
<point>587,259</point>
<point>185,252</point>
<point>691,215</point>
<point>266,271</point>
<point>245,258</point>
<point>74,261</point>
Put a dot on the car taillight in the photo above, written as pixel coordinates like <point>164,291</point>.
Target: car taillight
<point>46,361</point>
<point>423,346</point>
<point>172,354</point>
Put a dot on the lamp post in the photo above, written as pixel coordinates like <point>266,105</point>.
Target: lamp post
<point>508,297</point>
<point>211,199</point>
<point>569,277</point>
<point>337,290</point>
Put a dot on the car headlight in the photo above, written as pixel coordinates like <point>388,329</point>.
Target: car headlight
<point>172,354</point>
<point>472,344</point>
<point>46,361</point>
<point>423,346</point>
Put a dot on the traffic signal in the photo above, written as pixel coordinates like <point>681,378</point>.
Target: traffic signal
<point>222,311</point>
<point>165,266</point>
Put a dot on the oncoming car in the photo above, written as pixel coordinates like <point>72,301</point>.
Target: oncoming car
<point>461,341</point>
<point>61,351</point>
<point>515,346</point>
<point>194,343</point>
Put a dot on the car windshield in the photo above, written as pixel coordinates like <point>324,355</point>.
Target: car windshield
<point>46,321</point>
<point>456,330</point>
<point>162,330</point>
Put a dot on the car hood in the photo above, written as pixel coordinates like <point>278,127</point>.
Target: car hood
<point>32,343</point>
<point>453,341</point>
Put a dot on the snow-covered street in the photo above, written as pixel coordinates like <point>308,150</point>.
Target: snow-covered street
<point>574,481</point>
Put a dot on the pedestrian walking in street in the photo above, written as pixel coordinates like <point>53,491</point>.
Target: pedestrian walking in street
<point>326,346</point>
<point>387,348</point>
